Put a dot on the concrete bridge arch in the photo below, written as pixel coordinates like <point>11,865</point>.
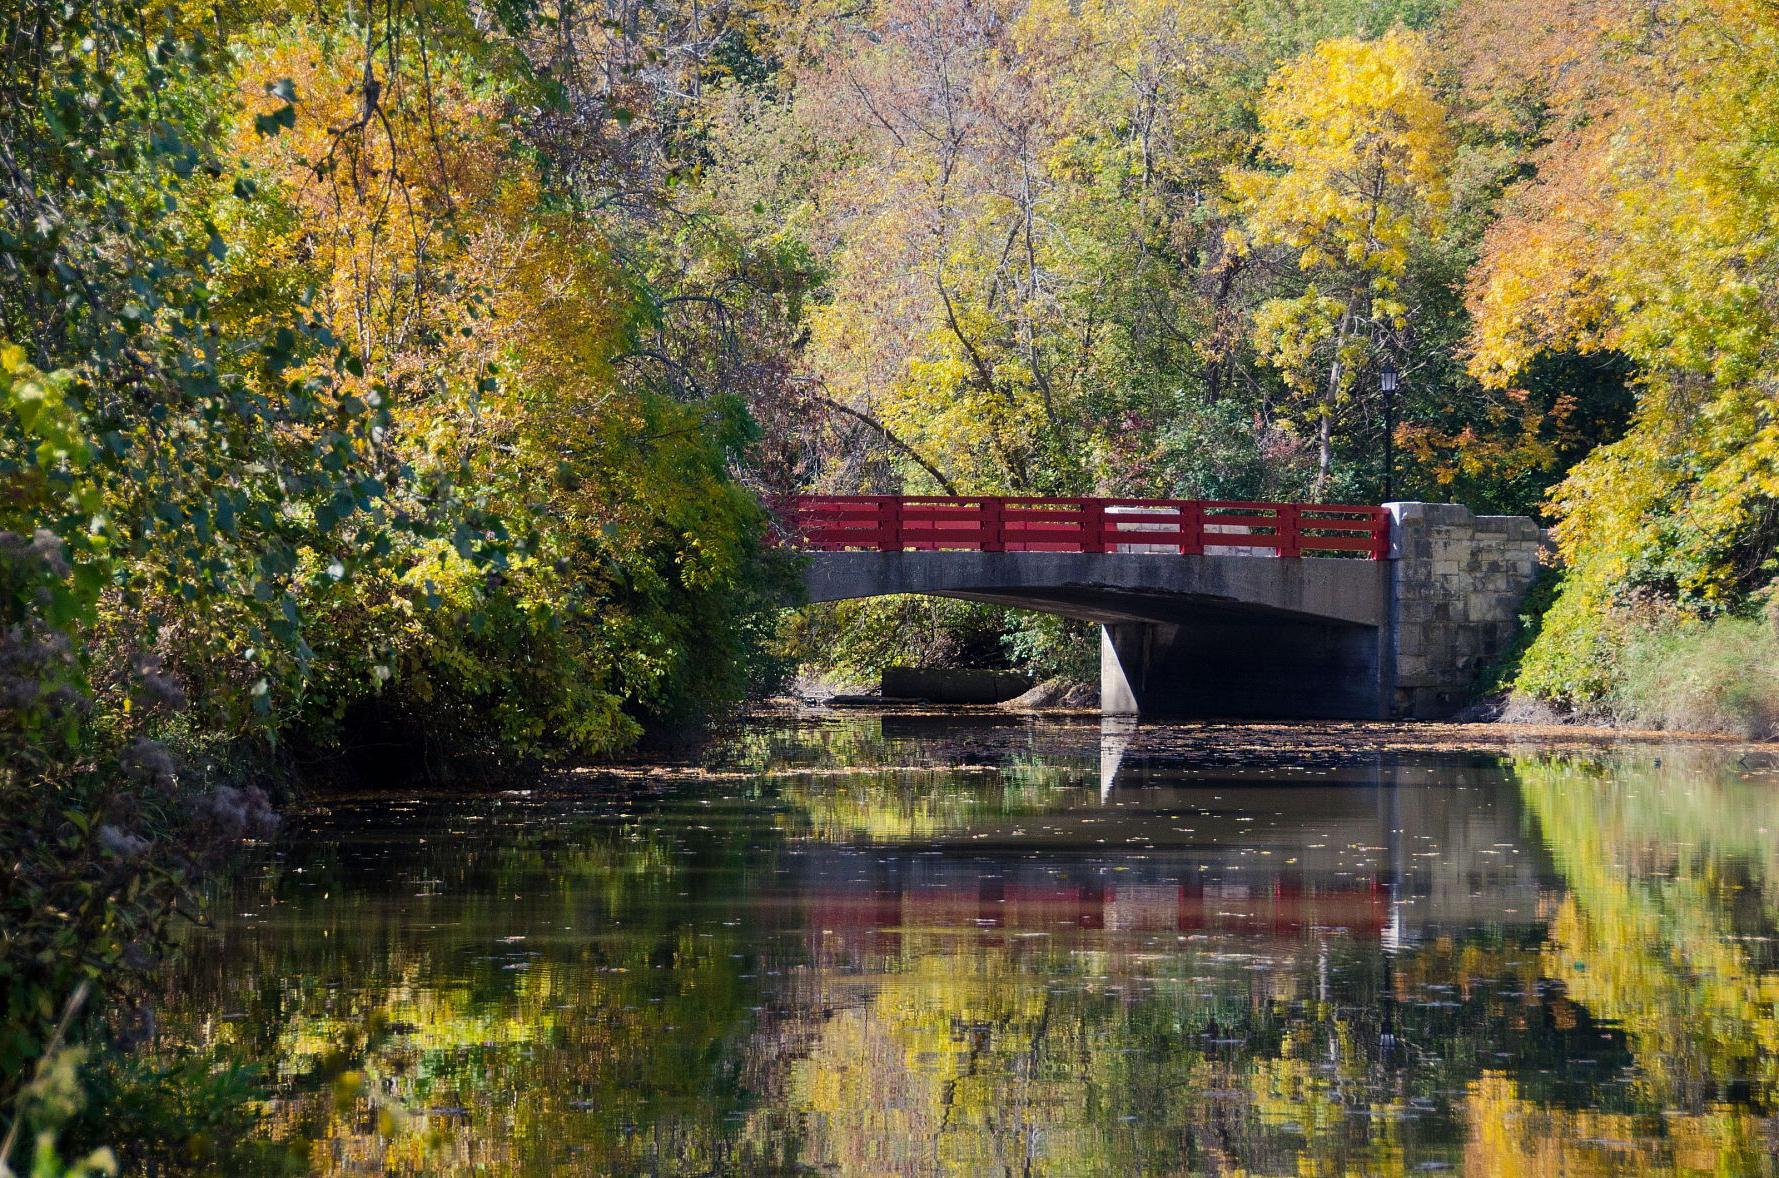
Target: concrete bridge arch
<point>1255,636</point>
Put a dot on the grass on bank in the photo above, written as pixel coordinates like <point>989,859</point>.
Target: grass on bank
<point>1647,668</point>
<point>1716,676</point>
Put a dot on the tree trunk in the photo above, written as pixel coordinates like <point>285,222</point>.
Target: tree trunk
<point>1330,395</point>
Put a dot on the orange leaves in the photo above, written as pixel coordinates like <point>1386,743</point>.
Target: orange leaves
<point>1495,450</point>
<point>1652,197</point>
<point>387,181</point>
<point>1648,229</point>
<point>480,310</point>
<point>1533,290</point>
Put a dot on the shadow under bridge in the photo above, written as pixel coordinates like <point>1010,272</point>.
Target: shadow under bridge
<point>1188,635</point>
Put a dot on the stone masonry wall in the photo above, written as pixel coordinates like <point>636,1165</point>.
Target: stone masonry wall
<point>1456,587</point>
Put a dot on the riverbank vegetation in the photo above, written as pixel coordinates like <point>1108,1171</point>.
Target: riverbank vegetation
<point>382,386</point>
<point>345,410</point>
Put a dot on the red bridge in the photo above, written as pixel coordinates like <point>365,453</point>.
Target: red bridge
<point>1400,607</point>
<point>992,523</point>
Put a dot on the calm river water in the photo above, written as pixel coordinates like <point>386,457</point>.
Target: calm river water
<point>912,945</point>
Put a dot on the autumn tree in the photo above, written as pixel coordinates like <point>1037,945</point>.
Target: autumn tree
<point>1646,232</point>
<point>1353,156</point>
<point>582,522</point>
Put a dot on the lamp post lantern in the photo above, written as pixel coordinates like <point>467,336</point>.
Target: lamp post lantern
<point>1386,379</point>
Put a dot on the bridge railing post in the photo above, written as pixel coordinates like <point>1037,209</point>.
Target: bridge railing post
<point>1192,529</point>
<point>992,538</point>
<point>1289,536</point>
<point>889,524</point>
<point>1093,525</point>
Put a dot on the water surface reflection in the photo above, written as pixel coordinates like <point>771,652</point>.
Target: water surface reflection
<point>919,945</point>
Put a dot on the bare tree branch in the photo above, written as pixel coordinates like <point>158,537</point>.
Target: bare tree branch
<point>889,436</point>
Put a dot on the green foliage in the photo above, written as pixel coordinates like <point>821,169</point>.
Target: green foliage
<point>1656,666</point>
<point>1500,676</point>
<point>1573,659</point>
<point>312,403</point>
<point>1045,646</point>
<point>46,1161</point>
<point>140,460</point>
<point>856,640</point>
<point>1295,26</point>
<point>187,1110</point>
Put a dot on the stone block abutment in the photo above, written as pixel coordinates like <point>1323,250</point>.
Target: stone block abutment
<point>1457,582</point>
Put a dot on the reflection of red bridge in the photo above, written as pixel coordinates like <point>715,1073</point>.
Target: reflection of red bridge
<point>992,523</point>
<point>1282,906</point>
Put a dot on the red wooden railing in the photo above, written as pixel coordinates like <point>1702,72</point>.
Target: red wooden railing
<point>992,523</point>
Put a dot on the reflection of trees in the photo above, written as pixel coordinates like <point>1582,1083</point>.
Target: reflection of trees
<point>972,1055</point>
<point>665,996</point>
<point>1669,864</point>
<point>1512,1137</point>
<point>1658,857</point>
<point>969,1058</point>
<point>474,1034</point>
<point>906,805</point>
<point>936,741</point>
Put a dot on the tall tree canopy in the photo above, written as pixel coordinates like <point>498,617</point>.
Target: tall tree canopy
<point>1355,154</point>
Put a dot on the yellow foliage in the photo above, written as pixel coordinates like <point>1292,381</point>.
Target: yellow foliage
<point>1357,150</point>
<point>1354,152</point>
<point>1514,1138</point>
<point>1647,231</point>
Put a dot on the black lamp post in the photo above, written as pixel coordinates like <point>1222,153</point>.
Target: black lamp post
<point>1386,379</point>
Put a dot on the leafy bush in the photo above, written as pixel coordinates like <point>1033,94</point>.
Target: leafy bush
<point>1655,665</point>
<point>856,640</point>
<point>1047,647</point>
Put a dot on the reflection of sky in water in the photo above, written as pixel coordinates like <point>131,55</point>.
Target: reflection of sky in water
<point>924,945</point>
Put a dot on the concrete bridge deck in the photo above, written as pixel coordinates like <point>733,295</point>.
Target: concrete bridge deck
<point>1114,587</point>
